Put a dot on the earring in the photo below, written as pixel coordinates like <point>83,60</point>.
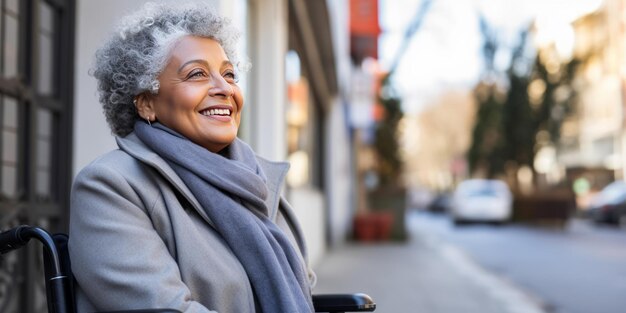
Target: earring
<point>135,101</point>
<point>154,87</point>
<point>148,120</point>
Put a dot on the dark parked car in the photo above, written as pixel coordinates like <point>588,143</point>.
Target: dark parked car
<point>614,214</point>
<point>440,204</point>
<point>609,206</point>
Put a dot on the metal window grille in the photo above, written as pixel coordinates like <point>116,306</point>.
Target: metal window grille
<point>36,68</point>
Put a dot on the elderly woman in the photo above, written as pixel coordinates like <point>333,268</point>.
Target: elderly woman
<point>183,215</point>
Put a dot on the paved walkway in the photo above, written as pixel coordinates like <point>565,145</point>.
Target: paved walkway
<point>424,275</point>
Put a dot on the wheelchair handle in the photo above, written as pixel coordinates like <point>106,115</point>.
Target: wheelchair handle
<point>12,239</point>
<point>17,237</point>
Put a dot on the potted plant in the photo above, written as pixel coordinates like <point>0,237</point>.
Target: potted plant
<point>388,199</point>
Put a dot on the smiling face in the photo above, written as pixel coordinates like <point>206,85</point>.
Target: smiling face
<point>198,95</point>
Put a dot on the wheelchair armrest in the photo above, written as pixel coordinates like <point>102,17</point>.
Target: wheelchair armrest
<point>355,302</point>
<point>145,311</point>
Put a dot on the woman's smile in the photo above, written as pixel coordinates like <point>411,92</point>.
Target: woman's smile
<point>220,113</point>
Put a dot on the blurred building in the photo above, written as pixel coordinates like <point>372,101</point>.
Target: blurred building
<point>617,9</point>
<point>364,30</point>
<point>318,144</point>
<point>592,146</point>
<point>363,95</point>
<point>52,124</point>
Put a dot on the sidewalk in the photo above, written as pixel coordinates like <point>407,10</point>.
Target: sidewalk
<point>424,275</point>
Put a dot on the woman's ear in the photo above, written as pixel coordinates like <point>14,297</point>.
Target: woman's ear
<point>145,107</point>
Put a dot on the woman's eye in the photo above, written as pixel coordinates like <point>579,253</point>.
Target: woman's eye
<point>196,74</point>
<point>231,77</point>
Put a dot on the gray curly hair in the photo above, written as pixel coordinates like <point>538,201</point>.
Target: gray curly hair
<point>131,60</point>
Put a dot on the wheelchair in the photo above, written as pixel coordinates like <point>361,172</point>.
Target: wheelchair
<point>59,279</point>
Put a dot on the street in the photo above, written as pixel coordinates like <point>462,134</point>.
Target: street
<point>483,268</point>
<point>580,269</point>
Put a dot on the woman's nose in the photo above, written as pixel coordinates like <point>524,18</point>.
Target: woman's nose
<point>220,87</point>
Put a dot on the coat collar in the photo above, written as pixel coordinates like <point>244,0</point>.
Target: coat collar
<point>274,171</point>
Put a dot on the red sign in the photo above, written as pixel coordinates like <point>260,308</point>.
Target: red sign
<point>364,18</point>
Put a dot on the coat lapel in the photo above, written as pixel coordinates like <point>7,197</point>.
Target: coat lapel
<point>132,145</point>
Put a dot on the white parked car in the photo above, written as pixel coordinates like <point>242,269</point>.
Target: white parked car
<point>484,200</point>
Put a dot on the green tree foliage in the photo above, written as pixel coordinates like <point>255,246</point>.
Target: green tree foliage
<point>386,140</point>
<point>485,149</point>
<point>518,119</point>
<point>559,97</point>
<point>506,131</point>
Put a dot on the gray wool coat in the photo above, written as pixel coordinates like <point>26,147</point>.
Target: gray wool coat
<point>139,238</point>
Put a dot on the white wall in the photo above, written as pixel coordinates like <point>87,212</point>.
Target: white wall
<point>92,136</point>
<point>268,88</point>
<point>308,206</point>
<point>338,175</point>
<point>339,179</point>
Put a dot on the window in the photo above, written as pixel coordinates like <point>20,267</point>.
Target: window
<point>36,67</point>
<point>298,143</point>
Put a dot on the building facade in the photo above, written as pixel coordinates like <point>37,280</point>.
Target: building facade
<point>591,146</point>
<point>36,109</point>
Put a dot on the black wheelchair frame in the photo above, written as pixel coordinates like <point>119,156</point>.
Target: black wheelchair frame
<point>59,279</point>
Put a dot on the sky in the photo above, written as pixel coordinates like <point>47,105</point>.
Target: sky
<point>445,52</point>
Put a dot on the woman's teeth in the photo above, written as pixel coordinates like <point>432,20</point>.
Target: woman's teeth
<point>223,112</point>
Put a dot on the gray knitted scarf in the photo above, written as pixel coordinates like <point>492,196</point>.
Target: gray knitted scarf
<point>231,187</point>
